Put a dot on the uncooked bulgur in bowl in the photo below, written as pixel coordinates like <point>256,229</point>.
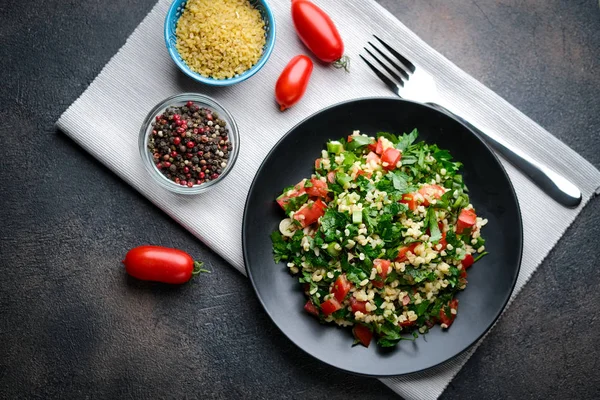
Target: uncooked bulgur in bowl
<point>219,42</point>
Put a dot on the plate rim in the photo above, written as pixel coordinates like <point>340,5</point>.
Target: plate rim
<point>399,100</point>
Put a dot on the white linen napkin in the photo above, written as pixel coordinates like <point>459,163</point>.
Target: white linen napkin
<point>141,74</point>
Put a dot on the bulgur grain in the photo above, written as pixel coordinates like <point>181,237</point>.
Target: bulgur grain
<point>220,38</point>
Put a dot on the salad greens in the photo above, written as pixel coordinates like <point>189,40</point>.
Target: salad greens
<point>381,236</point>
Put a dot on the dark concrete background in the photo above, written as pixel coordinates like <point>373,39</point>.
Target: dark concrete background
<point>72,325</point>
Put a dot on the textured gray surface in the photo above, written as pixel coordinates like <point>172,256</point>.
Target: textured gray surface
<point>73,326</point>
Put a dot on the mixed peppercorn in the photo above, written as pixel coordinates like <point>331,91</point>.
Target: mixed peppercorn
<point>190,144</point>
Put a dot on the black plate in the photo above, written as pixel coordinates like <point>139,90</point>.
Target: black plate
<point>491,280</point>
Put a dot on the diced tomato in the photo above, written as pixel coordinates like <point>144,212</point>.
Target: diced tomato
<point>379,146</point>
<point>362,334</point>
<point>385,267</point>
<point>284,199</point>
<point>331,177</point>
<point>373,157</point>
<point>467,261</point>
<point>405,249</point>
<point>318,163</point>
<point>310,308</point>
<point>466,219</point>
<point>431,191</point>
<point>407,323</point>
<point>361,172</point>
<point>358,305</point>
<point>406,300</point>
<point>318,188</point>
<point>378,283</point>
<point>341,287</point>
<point>443,239</point>
<point>308,214</point>
<point>463,273</point>
<point>391,156</point>
<point>298,190</point>
<point>430,323</point>
<point>350,138</point>
<point>300,185</point>
<point>409,200</point>
<point>330,306</point>
<point>372,147</point>
<point>448,320</point>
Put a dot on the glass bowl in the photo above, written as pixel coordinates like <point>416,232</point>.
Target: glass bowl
<point>178,101</point>
<point>176,9</point>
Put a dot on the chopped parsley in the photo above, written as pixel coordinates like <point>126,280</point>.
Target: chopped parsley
<point>390,233</point>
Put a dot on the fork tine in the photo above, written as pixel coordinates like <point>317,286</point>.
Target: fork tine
<point>388,69</point>
<point>398,67</point>
<point>390,84</point>
<point>399,56</point>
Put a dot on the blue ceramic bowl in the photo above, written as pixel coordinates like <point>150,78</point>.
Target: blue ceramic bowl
<point>175,11</point>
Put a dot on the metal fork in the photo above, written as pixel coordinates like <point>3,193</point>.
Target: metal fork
<point>413,83</point>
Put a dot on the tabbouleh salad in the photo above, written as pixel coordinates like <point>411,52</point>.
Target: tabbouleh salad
<point>381,236</point>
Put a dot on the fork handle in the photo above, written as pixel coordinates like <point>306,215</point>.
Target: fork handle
<point>553,184</point>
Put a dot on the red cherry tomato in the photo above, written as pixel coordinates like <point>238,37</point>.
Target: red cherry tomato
<point>317,31</point>
<point>293,81</point>
<point>161,264</point>
<point>362,334</point>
